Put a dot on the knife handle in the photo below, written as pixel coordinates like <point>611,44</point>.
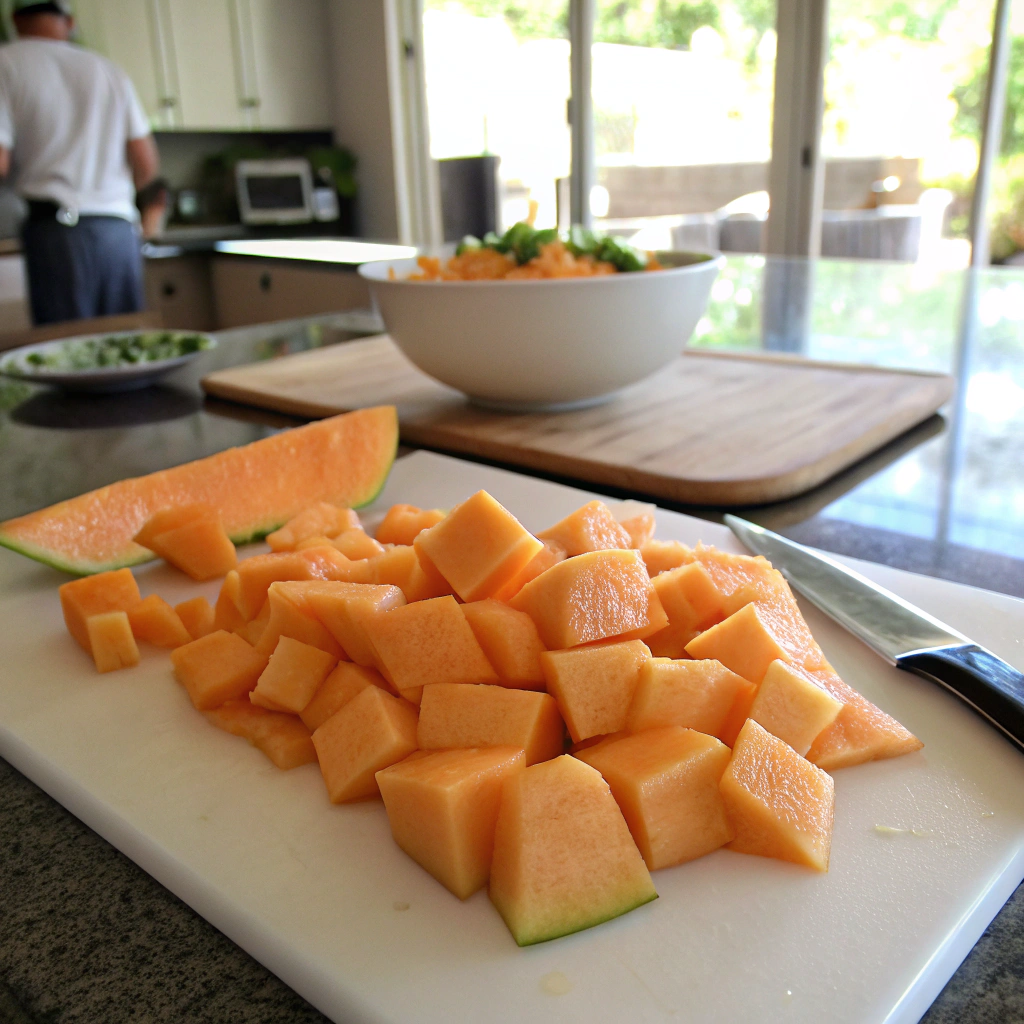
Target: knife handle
<point>993,688</point>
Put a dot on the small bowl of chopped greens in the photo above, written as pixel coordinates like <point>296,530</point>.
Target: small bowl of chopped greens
<point>541,321</point>
<point>105,362</point>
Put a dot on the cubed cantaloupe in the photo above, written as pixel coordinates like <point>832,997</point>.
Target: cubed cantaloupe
<point>402,567</point>
<point>549,555</point>
<point>281,737</point>
<point>427,642</point>
<point>702,695</point>
<point>345,608</point>
<point>563,858</point>
<point>255,574</point>
<point>252,631</point>
<point>197,615</point>
<point>357,544</point>
<point>465,715</point>
<point>114,591</point>
<point>478,547</point>
<point>320,520</point>
<point>292,676</point>
<point>111,641</point>
<point>372,731</point>
<point>640,528</point>
<point>171,518</point>
<point>217,668</point>
<point>292,615</point>
<point>443,809</point>
<point>594,686</point>
<point>792,707</point>
<point>661,555</point>
<point>591,597</point>
<point>590,528</point>
<point>692,604</point>
<point>156,622</point>
<point>402,524</point>
<point>226,614</point>
<point>666,781</point>
<point>510,641</point>
<point>201,549</point>
<point>742,642</point>
<point>779,804</point>
<point>345,682</point>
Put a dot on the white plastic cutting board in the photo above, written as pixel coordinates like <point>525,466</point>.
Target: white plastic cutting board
<point>323,897</point>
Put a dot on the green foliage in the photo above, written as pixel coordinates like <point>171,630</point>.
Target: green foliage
<point>919,20</point>
<point>970,101</point>
<point>668,23</point>
<point>339,163</point>
<point>528,19</point>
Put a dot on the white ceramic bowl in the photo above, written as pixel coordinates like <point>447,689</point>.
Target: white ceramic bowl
<point>544,345</point>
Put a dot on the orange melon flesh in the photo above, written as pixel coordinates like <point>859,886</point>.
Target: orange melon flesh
<point>357,544</point>
<point>217,668</point>
<point>590,597</point>
<point>792,707</point>
<point>226,614</point>
<point>165,519</point>
<point>741,642</point>
<point>256,488</point>
<point>427,642</point>
<point>696,695</point>
<point>291,616</point>
<point>689,597</point>
<point>156,622</point>
<point>345,609</point>
<point>861,732</point>
<point>443,809</point>
<point>640,528</point>
<point>372,731</point>
<point>402,524</point>
<point>661,555</point>
<point>778,804</point>
<point>111,641</point>
<point>256,574</point>
<point>478,547</point>
<point>594,686</point>
<point>114,591</point>
<point>321,519</point>
<point>549,555</point>
<point>402,567</point>
<point>564,859</point>
<point>509,640</point>
<point>590,528</point>
<point>293,674</point>
<point>200,549</point>
<point>344,683</point>
<point>463,715</point>
<point>197,615</point>
<point>282,738</point>
<point>666,781</point>
<point>252,631</point>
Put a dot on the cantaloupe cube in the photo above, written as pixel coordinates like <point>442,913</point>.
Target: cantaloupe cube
<point>742,642</point>
<point>443,808</point>
<point>590,528</point>
<point>344,683</point>
<point>319,520</point>
<point>291,615</point>
<point>217,668</point>
<point>201,549</point>
<point>697,695</point>
<point>563,858</point>
<point>255,574</point>
<point>111,641</point>
<point>402,567</point>
<point>345,608</point>
<point>640,528</point>
<point>402,524</point>
<point>282,738</point>
<point>356,544</point>
<point>372,731</point>
<point>594,686</point>
<point>778,804</point>
<point>156,622</point>
<point>661,555</point>
<point>792,707</point>
<point>592,597</point>
<point>251,632</point>
<point>464,715</point>
<point>427,642</point>
<point>114,591</point>
<point>549,555</point>
<point>509,640</point>
<point>594,741</point>
<point>666,783</point>
<point>692,604</point>
<point>478,547</point>
<point>197,615</point>
<point>171,518</point>
<point>226,615</point>
<point>292,676</point>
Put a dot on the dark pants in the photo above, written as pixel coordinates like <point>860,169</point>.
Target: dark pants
<point>91,269</point>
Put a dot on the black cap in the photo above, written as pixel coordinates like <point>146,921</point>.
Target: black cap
<point>29,7</point>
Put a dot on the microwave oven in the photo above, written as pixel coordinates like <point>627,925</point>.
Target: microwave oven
<point>274,191</point>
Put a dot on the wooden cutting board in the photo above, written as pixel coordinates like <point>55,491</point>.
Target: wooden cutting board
<point>714,428</point>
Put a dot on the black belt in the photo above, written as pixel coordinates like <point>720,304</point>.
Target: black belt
<point>47,211</point>
<point>42,209</point>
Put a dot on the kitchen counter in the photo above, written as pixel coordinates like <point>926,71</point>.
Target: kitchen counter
<point>87,936</point>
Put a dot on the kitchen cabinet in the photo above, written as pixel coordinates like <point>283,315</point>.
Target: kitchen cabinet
<point>218,64</point>
<point>179,288</point>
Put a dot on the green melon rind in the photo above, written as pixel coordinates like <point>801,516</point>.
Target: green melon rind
<point>129,559</point>
<point>524,938</point>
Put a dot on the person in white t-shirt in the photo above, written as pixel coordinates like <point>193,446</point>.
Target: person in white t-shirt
<point>76,145</point>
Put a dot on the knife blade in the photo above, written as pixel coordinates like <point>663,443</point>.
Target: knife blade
<point>905,636</point>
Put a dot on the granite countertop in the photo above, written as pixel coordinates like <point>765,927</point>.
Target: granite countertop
<point>86,936</point>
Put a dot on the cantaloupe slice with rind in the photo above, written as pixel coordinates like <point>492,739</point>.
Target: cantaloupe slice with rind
<point>255,488</point>
<point>564,859</point>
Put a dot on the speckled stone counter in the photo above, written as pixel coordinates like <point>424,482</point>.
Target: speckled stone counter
<point>88,937</point>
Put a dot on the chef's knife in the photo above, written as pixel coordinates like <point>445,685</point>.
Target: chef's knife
<point>902,634</point>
